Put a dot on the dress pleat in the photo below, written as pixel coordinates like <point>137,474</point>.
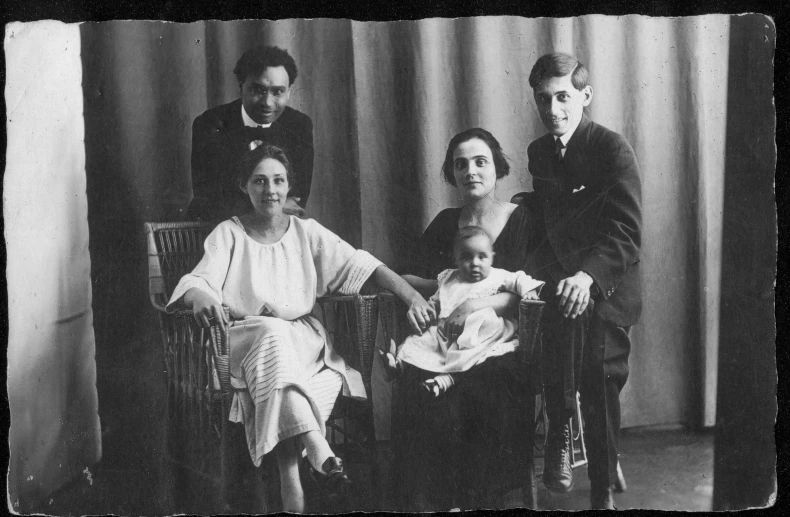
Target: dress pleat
<point>284,371</point>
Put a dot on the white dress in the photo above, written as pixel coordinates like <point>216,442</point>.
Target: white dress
<point>283,367</point>
<point>485,334</point>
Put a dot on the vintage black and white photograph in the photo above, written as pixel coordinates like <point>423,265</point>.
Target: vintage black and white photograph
<point>325,265</point>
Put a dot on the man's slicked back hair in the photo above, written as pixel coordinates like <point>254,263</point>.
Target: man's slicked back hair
<point>559,64</point>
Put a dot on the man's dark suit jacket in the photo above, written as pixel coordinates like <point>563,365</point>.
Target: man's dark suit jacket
<point>590,207</point>
<point>220,140</point>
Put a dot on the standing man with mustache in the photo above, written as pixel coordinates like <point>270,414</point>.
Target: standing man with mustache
<point>222,135</point>
<point>587,198</point>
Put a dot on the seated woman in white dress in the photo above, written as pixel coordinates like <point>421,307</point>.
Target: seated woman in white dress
<point>484,334</point>
<point>269,268</point>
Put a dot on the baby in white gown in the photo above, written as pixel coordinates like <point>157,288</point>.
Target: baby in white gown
<point>484,333</point>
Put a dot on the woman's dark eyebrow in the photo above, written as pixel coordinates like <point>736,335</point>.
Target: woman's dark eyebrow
<point>472,158</point>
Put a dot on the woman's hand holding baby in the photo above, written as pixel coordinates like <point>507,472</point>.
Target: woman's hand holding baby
<point>421,314</point>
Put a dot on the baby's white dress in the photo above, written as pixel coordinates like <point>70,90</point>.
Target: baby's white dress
<point>485,334</point>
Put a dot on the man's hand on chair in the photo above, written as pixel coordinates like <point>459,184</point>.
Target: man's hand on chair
<point>574,293</point>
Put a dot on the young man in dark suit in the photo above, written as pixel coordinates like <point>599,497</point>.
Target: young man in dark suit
<point>222,135</point>
<point>587,199</point>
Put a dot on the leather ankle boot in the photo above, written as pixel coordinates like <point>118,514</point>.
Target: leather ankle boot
<point>557,472</point>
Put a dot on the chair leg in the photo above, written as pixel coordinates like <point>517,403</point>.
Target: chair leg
<point>530,487</point>
<point>373,459</point>
<point>225,458</point>
<point>580,439</point>
<point>620,485</point>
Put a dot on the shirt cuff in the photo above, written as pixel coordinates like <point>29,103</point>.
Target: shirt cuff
<point>361,265</point>
<point>185,285</point>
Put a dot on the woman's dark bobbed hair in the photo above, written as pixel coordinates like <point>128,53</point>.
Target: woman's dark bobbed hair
<point>251,159</point>
<point>501,165</point>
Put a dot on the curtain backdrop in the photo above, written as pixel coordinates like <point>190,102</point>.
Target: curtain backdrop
<point>385,99</point>
<point>746,451</point>
<point>51,379</point>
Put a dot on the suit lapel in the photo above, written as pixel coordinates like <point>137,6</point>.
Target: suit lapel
<point>234,119</point>
<point>547,165</point>
<point>576,162</point>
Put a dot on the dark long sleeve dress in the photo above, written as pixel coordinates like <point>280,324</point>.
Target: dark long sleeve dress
<point>469,441</point>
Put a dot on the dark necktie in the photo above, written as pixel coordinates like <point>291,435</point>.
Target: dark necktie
<point>558,147</point>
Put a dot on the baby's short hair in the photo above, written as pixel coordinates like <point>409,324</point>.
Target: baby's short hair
<point>467,232</point>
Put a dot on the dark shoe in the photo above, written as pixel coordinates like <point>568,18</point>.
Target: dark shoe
<point>439,385</point>
<point>557,472</point>
<point>335,481</point>
<point>602,499</point>
<point>393,368</point>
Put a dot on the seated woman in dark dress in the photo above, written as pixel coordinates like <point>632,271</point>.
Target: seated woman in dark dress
<point>468,441</point>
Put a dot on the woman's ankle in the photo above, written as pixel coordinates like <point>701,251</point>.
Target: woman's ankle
<point>317,450</point>
<point>293,503</point>
<point>291,493</point>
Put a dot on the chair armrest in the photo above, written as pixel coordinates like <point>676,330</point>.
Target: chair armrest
<point>390,307</point>
<point>187,342</point>
<point>362,329</point>
<point>529,314</point>
<point>220,349</point>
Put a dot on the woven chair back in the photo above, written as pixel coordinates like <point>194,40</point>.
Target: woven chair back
<point>174,249</point>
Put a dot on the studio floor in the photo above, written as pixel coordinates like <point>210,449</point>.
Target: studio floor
<point>665,469</point>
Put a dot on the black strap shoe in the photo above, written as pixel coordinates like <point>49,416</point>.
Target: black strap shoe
<point>335,481</point>
<point>557,472</point>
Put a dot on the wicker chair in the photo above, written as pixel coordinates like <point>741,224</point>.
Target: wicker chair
<point>527,354</point>
<point>202,440</point>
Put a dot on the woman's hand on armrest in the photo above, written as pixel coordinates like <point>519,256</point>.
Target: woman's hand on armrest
<point>421,314</point>
<point>205,308</point>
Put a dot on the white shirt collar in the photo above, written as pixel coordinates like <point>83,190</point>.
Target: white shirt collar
<point>248,120</point>
<point>567,136</point>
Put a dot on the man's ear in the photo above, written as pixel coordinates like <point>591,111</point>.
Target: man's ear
<point>587,91</point>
